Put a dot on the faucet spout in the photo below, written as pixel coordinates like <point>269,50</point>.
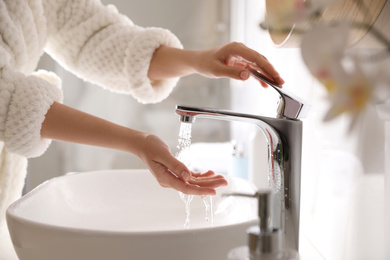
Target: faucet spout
<point>284,142</point>
<point>187,119</point>
<point>188,115</point>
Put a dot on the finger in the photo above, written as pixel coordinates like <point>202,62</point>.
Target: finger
<point>167,179</point>
<point>213,177</point>
<point>236,62</point>
<point>255,67</point>
<point>238,73</point>
<point>265,85</point>
<point>208,179</point>
<point>243,74</point>
<point>204,174</point>
<point>263,63</point>
<point>174,165</point>
<point>262,83</point>
<point>211,183</point>
<point>189,188</point>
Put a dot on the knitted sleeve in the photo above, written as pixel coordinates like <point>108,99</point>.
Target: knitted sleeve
<point>24,102</point>
<point>102,46</point>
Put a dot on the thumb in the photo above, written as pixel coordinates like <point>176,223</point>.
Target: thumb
<point>239,73</point>
<point>244,75</point>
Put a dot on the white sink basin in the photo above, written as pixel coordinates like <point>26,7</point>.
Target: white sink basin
<point>125,214</point>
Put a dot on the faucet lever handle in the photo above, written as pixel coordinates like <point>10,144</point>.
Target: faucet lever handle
<point>290,106</point>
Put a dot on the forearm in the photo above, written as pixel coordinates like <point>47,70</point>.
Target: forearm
<point>64,123</point>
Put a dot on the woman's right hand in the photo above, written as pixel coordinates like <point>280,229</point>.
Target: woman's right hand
<point>171,173</point>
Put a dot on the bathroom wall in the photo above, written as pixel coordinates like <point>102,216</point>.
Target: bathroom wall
<point>199,24</point>
<point>342,191</point>
<point>342,171</point>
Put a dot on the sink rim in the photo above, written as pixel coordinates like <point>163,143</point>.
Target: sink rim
<point>12,215</point>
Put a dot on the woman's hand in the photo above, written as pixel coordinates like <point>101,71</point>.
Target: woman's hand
<point>228,60</point>
<point>67,124</point>
<point>171,173</point>
<point>231,60</point>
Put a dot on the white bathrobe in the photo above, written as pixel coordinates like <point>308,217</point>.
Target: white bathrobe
<point>89,39</point>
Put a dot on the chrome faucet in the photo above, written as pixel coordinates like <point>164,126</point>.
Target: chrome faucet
<point>284,138</point>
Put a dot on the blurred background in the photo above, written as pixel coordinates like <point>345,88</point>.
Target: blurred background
<point>342,208</point>
<point>199,25</point>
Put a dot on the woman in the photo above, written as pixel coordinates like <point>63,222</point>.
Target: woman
<point>100,45</point>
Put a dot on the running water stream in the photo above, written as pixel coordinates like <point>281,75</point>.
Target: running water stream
<point>183,155</point>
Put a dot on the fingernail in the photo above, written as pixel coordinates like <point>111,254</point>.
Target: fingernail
<point>244,74</point>
<point>185,176</point>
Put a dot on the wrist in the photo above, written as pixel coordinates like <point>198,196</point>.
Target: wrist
<point>168,62</point>
<point>133,141</point>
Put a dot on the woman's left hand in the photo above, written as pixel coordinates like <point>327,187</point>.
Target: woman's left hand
<point>230,60</point>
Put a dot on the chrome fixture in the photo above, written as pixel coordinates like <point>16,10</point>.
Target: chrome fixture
<point>284,138</point>
<point>264,241</point>
<point>290,106</point>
